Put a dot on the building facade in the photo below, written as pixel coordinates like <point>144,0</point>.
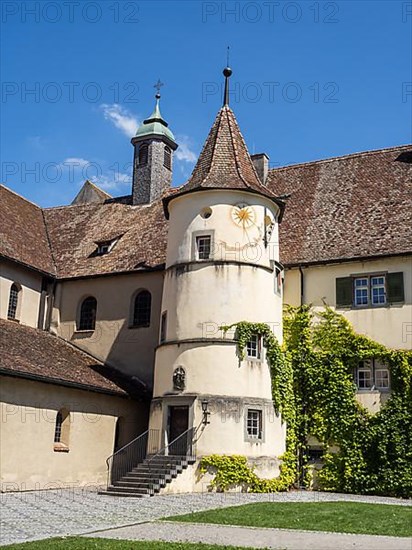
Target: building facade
<point>115,306</point>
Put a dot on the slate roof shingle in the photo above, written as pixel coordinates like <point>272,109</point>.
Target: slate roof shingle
<point>33,353</point>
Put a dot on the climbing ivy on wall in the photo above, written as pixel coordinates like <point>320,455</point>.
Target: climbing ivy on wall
<point>313,390</point>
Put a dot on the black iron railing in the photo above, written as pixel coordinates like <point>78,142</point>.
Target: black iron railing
<point>183,446</point>
<point>128,457</point>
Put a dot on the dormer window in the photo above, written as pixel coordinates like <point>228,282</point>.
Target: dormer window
<point>104,247</point>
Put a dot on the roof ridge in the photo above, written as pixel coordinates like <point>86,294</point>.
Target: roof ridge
<point>20,196</point>
<point>46,229</point>
<point>235,151</point>
<point>212,160</point>
<point>342,157</point>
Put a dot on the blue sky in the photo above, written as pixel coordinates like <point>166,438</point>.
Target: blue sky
<point>311,80</point>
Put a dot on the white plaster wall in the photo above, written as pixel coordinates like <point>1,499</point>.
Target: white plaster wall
<point>212,369</point>
<point>231,241</point>
<point>28,413</point>
<point>202,296</point>
<point>129,349</point>
<point>29,296</point>
<point>372,400</point>
<point>198,302</point>
<point>390,325</point>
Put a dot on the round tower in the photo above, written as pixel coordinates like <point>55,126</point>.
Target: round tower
<point>222,267</point>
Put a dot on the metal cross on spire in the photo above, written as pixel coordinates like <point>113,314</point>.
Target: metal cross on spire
<point>158,85</point>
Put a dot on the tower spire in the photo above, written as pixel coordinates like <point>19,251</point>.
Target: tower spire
<point>227,72</point>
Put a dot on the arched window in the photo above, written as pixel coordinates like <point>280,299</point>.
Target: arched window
<point>142,309</point>
<point>167,160</point>
<point>58,427</point>
<point>13,301</point>
<point>143,154</point>
<point>62,430</point>
<point>88,310</point>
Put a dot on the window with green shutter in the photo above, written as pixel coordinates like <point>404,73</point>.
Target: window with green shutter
<point>370,290</point>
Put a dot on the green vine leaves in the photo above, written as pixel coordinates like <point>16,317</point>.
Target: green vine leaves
<point>314,392</point>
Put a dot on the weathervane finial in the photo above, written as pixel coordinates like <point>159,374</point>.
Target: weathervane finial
<point>158,85</point>
<point>227,71</point>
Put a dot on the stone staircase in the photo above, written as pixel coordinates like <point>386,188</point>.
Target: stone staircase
<point>148,477</point>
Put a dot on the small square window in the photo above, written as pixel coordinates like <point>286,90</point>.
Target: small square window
<point>364,379</point>
<point>105,247</point>
<point>203,246</point>
<point>253,347</point>
<point>382,379</point>
<point>378,290</point>
<point>361,291</point>
<point>254,426</point>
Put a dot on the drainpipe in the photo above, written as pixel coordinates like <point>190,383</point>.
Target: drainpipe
<point>302,287</point>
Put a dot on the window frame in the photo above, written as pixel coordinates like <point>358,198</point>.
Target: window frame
<point>207,248</point>
<point>80,325</point>
<point>373,367</point>
<point>369,289</point>
<point>13,306</point>
<point>194,248</point>
<point>255,343</point>
<point>61,438</point>
<point>163,328</point>
<point>133,317</point>
<point>258,427</point>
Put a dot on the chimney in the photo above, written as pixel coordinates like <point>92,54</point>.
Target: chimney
<point>261,164</point>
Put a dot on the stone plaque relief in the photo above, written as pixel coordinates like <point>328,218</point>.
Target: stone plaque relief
<point>179,379</point>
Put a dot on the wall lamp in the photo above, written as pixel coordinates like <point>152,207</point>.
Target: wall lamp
<point>206,413</point>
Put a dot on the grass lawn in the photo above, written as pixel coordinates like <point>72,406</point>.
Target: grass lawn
<point>80,543</point>
<point>339,517</point>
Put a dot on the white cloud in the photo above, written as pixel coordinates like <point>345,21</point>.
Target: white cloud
<point>121,118</point>
<point>184,152</point>
<point>116,182</point>
<point>75,162</point>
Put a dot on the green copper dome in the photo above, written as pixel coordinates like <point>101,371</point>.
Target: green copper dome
<point>155,125</point>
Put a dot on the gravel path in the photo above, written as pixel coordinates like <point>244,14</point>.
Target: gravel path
<point>256,538</point>
<point>42,514</point>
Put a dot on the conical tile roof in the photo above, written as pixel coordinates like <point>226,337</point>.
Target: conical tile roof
<point>224,162</point>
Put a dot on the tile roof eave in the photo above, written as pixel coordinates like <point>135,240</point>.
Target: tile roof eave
<point>28,266</point>
<point>347,260</point>
<point>60,382</point>
<point>278,201</point>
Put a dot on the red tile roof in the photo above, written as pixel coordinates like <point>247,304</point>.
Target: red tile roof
<point>23,234</point>
<point>224,162</point>
<point>32,353</point>
<point>356,206</point>
<point>75,230</point>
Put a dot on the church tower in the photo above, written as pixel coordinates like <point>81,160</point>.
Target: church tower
<point>222,267</point>
<point>154,145</point>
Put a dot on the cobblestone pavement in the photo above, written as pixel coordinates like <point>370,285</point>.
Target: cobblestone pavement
<point>42,514</point>
<point>254,537</point>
